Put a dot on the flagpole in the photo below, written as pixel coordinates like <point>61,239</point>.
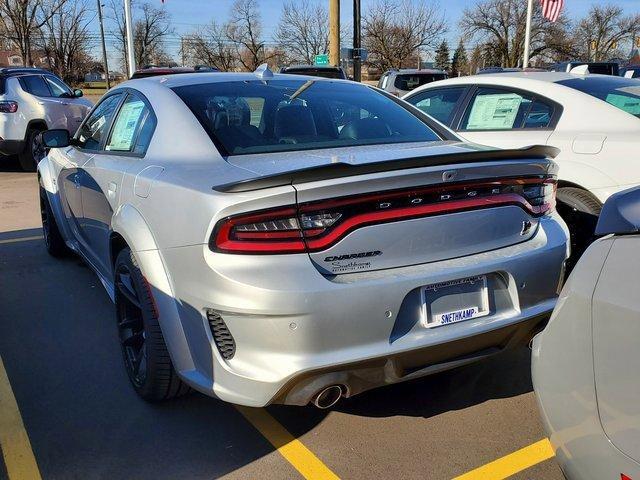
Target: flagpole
<point>527,34</point>
<point>131,56</point>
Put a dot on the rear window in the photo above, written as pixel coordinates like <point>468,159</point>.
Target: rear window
<point>286,115</point>
<point>317,72</point>
<point>414,80</point>
<point>623,93</point>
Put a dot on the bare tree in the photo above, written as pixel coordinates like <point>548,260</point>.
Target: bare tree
<point>244,30</point>
<point>149,33</point>
<point>65,37</point>
<point>303,30</point>
<point>23,19</point>
<point>603,32</point>
<point>500,26</point>
<point>210,46</point>
<point>395,32</point>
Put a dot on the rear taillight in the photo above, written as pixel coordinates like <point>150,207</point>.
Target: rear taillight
<point>316,226</point>
<point>7,106</point>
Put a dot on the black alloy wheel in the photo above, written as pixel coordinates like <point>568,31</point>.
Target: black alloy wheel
<point>144,351</point>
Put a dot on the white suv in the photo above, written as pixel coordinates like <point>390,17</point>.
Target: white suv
<point>31,101</point>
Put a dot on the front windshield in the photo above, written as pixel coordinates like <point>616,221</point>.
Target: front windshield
<point>257,116</point>
<point>623,93</point>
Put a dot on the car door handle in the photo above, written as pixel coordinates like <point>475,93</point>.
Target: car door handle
<point>111,191</point>
<point>40,103</point>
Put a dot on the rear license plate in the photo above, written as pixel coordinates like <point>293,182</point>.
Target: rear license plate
<point>455,301</point>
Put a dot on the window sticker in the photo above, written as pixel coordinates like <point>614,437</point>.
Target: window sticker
<point>125,126</point>
<point>623,102</point>
<point>494,112</point>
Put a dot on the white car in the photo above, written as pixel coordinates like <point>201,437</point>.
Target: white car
<point>585,363</point>
<point>592,119</point>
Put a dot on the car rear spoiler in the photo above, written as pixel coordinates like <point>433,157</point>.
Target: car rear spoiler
<point>341,169</point>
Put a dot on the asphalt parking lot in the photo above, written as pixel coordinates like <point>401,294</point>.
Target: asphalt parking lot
<point>76,416</point>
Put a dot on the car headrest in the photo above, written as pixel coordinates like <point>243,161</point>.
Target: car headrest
<point>294,120</point>
<point>365,128</point>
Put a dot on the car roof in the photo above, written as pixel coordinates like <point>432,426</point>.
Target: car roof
<point>413,71</point>
<point>10,71</point>
<point>199,78</point>
<point>311,67</point>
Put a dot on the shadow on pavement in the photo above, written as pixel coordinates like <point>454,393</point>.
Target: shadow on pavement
<point>59,344</point>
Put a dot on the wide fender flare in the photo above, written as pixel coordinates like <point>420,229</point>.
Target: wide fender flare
<point>129,223</point>
<point>45,174</point>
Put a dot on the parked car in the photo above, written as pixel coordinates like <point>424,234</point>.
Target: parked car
<point>327,71</point>
<point>32,100</point>
<point>630,71</point>
<point>601,68</point>
<point>593,120</point>
<point>401,82</point>
<point>286,240</point>
<point>585,363</point>
<point>156,71</point>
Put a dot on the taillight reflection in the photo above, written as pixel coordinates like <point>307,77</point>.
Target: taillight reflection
<point>7,106</point>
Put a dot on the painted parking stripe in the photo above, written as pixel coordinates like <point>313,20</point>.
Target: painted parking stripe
<point>292,449</point>
<point>513,463</point>
<point>14,441</point>
<point>21,239</point>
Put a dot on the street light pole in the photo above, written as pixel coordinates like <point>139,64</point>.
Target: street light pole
<point>129,29</point>
<point>527,35</point>
<point>104,46</point>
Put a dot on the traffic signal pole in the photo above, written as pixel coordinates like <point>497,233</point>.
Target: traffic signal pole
<point>357,62</point>
<point>334,32</point>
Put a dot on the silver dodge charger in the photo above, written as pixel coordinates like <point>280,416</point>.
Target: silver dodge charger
<point>274,238</point>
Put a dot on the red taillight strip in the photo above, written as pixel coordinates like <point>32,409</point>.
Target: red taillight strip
<point>340,202</point>
<point>226,239</point>
<point>393,215</point>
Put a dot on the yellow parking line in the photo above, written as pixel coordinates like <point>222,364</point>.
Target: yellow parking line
<point>513,463</point>
<point>14,441</point>
<point>21,239</point>
<point>302,459</point>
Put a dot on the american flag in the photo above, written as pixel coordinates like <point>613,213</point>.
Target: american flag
<point>551,9</point>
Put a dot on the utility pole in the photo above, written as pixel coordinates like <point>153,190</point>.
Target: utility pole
<point>129,29</point>
<point>357,60</point>
<point>334,32</point>
<point>104,46</point>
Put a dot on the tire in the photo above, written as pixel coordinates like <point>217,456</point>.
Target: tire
<point>580,211</point>
<point>53,240</point>
<point>144,351</point>
<point>33,151</point>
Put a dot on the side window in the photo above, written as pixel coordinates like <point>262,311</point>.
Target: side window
<point>439,103</point>
<point>58,88</point>
<point>132,128</point>
<point>94,128</point>
<point>498,109</point>
<point>35,85</point>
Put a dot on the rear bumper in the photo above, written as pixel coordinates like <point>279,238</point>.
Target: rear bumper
<point>355,378</point>
<point>296,330</point>
<point>11,147</point>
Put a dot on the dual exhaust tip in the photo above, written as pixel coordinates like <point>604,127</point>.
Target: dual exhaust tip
<point>327,397</point>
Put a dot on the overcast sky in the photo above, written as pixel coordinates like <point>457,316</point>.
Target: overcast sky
<point>187,15</point>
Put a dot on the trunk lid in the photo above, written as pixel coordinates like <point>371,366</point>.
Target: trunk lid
<point>368,209</point>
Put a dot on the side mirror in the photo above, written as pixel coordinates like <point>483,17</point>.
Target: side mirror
<point>620,213</point>
<point>56,138</point>
<point>77,93</point>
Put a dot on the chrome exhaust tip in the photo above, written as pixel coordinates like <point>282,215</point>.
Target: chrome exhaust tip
<point>327,397</point>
